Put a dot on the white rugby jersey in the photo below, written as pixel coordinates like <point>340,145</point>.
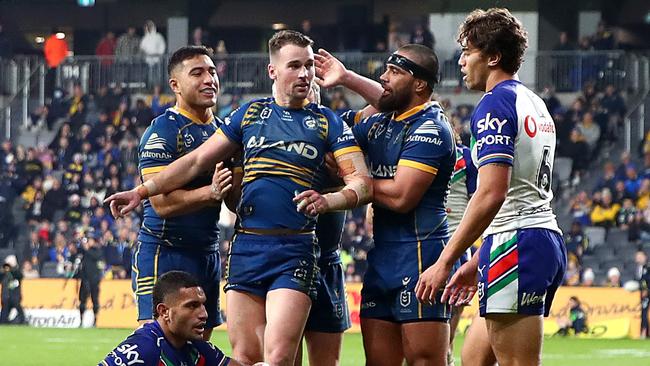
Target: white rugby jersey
<point>512,126</point>
<point>461,187</point>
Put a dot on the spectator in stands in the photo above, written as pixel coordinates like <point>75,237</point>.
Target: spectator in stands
<point>604,39</point>
<point>576,319</point>
<point>143,114</point>
<point>159,101</point>
<point>422,35</point>
<point>613,104</point>
<point>73,214</point>
<point>613,278</point>
<point>127,46</point>
<point>563,43</point>
<point>625,162</point>
<point>199,37</point>
<point>626,215</point>
<point>580,208</point>
<point>604,213</point>
<point>55,49</point>
<point>153,48</point>
<point>106,48</point>
<point>29,272</point>
<point>306,29</point>
<point>588,277</point>
<point>572,274</point>
<point>590,131</point>
<point>643,195</point>
<point>608,179</point>
<point>585,44</point>
<point>579,151</point>
<point>576,242</point>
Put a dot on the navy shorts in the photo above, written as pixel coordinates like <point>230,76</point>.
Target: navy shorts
<point>389,284</point>
<point>260,263</point>
<point>152,260</point>
<point>520,271</point>
<point>329,312</point>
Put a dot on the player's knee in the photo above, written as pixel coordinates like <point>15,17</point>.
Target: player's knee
<point>425,356</point>
<point>280,356</point>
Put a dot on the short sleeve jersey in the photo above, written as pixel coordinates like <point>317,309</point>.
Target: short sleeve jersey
<point>147,346</point>
<point>512,126</point>
<point>284,151</point>
<point>169,137</point>
<point>421,139</point>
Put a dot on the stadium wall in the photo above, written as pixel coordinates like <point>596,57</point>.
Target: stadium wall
<point>611,312</point>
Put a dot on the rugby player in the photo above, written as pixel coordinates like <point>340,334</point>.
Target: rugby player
<point>522,259</point>
<point>411,152</point>
<point>179,230</point>
<point>175,337</point>
<point>272,263</point>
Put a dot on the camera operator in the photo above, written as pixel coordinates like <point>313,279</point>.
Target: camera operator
<point>90,262</point>
<point>10,277</point>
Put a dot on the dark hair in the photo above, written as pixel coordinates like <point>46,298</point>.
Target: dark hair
<point>575,299</point>
<point>185,53</point>
<point>285,37</point>
<point>169,284</point>
<point>425,57</point>
<point>495,31</point>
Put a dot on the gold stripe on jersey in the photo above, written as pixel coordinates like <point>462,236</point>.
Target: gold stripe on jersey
<point>252,111</point>
<point>346,150</point>
<point>153,169</point>
<point>417,165</point>
<point>323,125</point>
<point>251,175</point>
<point>281,163</point>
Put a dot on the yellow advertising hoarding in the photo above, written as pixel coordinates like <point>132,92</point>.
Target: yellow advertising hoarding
<point>611,312</point>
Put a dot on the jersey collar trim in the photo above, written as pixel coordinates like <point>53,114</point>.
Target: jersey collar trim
<point>413,111</point>
<point>189,115</point>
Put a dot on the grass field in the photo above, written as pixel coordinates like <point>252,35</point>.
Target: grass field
<point>23,346</point>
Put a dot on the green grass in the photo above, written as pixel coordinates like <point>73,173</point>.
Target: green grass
<point>46,346</point>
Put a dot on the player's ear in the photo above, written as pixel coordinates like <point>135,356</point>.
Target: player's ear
<point>272,71</point>
<point>420,85</point>
<point>163,311</point>
<point>493,60</point>
<point>173,84</point>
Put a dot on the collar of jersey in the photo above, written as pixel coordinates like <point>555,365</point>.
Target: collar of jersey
<point>304,104</point>
<point>413,111</point>
<point>192,117</point>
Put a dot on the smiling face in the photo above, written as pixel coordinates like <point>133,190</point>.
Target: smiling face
<point>292,70</point>
<point>195,82</point>
<point>474,65</point>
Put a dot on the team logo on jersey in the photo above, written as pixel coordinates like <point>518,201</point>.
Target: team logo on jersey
<point>376,130</point>
<point>404,299</point>
<point>310,123</point>
<point>428,128</point>
<point>480,290</point>
<point>155,143</point>
<point>266,113</point>
<point>489,123</point>
<point>204,135</point>
<point>129,351</point>
<point>188,139</point>
<point>226,121</point>
<point>530,125</point>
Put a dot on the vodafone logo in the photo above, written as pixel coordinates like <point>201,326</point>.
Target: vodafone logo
<point>530,126</point>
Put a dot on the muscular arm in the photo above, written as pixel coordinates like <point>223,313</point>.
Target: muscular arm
<point>181,201</point>
<point>403,192</point>
<point>358,189</point>
<point>234,196</point>
<point>183,170</point>
<point>482,208</point>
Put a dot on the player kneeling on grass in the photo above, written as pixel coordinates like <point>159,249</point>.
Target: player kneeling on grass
<point>175,337</point>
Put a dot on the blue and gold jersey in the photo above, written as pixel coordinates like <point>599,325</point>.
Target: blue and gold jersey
<point>147,346</point>
<point>420,138</point>
<point>170,136</point>
<point>284,151</point>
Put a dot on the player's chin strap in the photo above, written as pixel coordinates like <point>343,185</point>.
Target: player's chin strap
<point>358,184</point>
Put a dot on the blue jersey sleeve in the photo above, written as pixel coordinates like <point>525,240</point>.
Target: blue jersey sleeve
<point>135,350</point>
<point>213,355</point>
<point>361,130</point>
<point>471,171</point>
<point>427,146</point>
<point>351,117</point>
<point>232,125</point>
<point>158,147</point>
<point>494,128</point>
<point>339,136</point>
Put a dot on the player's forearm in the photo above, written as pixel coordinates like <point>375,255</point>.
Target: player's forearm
<point>234,196</point>
<point>181,202</point>
<point>369,89</point>
<point>174,176</point>
<point>388,194</point>
<point>481,210</point>
<point>358,183</point>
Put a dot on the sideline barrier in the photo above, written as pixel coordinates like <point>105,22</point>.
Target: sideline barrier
<point>611,312</point>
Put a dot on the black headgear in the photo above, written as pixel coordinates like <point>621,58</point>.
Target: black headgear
<point>414,69</point>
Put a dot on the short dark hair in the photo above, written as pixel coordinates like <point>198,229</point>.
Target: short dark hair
<point>285,37</point>
<point>425,57</point>
<point>169,284</point>
<point>185,53</point>
<point>494,31</point>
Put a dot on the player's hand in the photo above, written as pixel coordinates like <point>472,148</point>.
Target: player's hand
<point>330,71</point>
<point>122,203</point>
<point>463,284</point>
<point>221,182</point>
<point>311,203</point>
<point>431,281</point>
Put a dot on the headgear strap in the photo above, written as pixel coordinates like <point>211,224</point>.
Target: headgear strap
<point>414,69</point>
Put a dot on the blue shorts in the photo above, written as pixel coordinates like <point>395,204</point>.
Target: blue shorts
<point>389,284</point>
<point>260,263</point>
<point>152,260</point>
<point>329,312</point>
<point>520,271</point>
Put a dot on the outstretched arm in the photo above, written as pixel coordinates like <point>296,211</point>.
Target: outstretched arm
<point>175,175</point>
<point>331,72</point>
